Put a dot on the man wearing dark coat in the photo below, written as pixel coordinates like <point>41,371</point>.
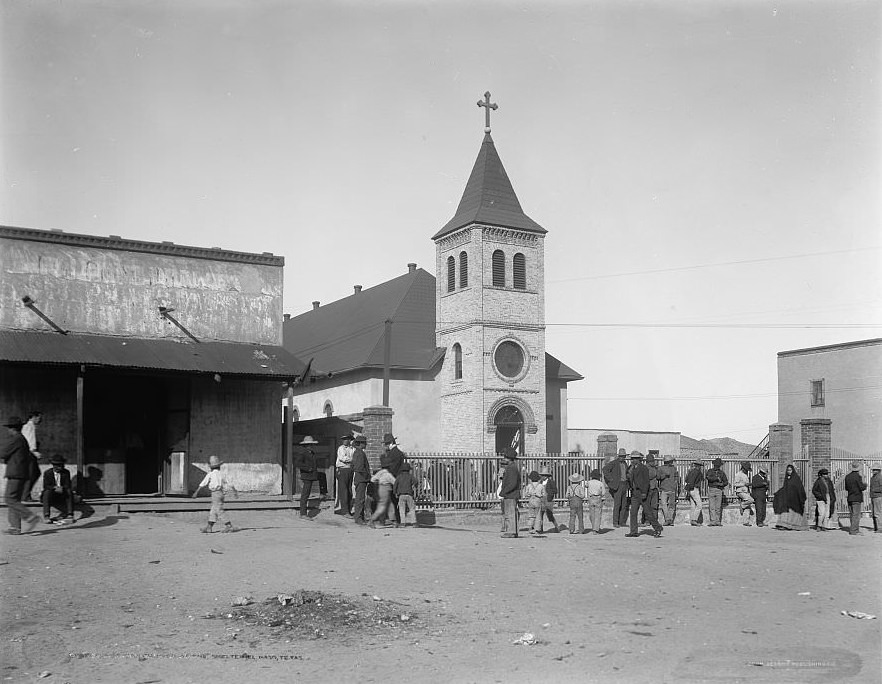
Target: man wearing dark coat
<point>16,454</point>
<point>392,461</point>
<point>639,481</point>
<point>759,489</point>
<point>57,491</point>
<point>510,492</point>
<point>855,486</point>
<point>308,472</point>
<point>615,475</point>
<point>361,478</point>
<point>825,500</point>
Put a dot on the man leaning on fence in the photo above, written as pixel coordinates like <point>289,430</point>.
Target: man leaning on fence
<point>509,492</point>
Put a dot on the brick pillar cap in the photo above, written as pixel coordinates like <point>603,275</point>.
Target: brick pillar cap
<point>815,421</point>
<point>385,410</point>
<point>780,426</point>
<point>607,438</point>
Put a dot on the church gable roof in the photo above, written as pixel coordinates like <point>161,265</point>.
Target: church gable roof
<point>349,333</point>
<point>489,197</point>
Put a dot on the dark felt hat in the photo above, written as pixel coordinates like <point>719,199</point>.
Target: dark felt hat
<point>622,452</point>
<point>534,476</point>
<point>389,438</point>
<point>718,463</point>
<point>14,421</point>
<point>509,453</point>
<point>57,459</point>
<point>347,436</point>
<point>405,466</point>
<point>636,455</point>
<point>360,439</point>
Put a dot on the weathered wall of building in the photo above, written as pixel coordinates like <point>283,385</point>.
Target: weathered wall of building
<point>852,393</point>
<point>97,285</point>
<point>50,390</point>
<point>585,440</point>
<point>556,416</point>
<point>238,421</point>
<point>412,395</point>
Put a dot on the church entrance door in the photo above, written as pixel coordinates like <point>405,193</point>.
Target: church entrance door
<point>509,429</point>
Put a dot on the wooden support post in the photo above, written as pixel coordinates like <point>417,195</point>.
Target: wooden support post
<point>80,447</point>
<point>387,359</point>
<point>288,465</point>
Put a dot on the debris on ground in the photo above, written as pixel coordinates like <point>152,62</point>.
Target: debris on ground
<point>526,639</point>
<point>241,601</point>
<point>314,614</point>
<point>858,614</point>
<point>804,593</point>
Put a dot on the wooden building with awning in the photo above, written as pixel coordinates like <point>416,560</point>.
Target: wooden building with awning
<point>145,359</point>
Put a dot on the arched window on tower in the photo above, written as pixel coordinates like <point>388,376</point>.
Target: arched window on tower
<point>328,409</point>
<point>519,271</point>
<point>457,362</point>
<point>463,269</point>
<point>451,274</point>
<point>498,268</point>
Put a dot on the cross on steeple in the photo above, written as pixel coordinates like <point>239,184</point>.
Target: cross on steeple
<point>489,105</point>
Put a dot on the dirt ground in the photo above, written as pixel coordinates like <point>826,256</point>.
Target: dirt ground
<point>147,599</point>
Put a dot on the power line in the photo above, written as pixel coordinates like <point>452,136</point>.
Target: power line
<point>758,395</point>
<point>713,265</point>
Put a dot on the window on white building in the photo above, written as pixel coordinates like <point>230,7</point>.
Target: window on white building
<point>817,392</point>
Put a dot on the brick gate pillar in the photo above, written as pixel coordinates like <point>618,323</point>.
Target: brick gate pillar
<point>377,422</point>
<point>817,448</point>
<point>607,444</point>
<point>780,450</point>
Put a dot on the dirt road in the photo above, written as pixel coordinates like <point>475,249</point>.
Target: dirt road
<point>148,599</point>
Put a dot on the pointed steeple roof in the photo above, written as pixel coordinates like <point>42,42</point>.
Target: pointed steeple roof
<point>489,198</point>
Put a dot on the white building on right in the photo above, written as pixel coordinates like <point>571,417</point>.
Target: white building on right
<point>840,382</point>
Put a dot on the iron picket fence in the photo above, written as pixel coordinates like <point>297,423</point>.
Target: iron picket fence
<point>470,480</point>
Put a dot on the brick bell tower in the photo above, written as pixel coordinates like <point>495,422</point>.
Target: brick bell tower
<point>490,298</point>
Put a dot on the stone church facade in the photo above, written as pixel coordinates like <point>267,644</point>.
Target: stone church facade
<point>470,353</point>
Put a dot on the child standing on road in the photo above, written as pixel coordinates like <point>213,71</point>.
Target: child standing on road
<point>575,497</point>
<point>405,489</point>
<point>216,483</point>
<point>534,493</point>
<point>384,481</point>
<point>596,490</point>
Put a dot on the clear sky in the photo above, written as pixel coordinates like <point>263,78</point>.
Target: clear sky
<point>709,164</point>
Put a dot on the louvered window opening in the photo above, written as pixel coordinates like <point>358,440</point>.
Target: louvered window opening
<point>451,274</point>
<point>463,269</point>
<point>519,271</point>
<point>457,362</point>
<point>498,268</point>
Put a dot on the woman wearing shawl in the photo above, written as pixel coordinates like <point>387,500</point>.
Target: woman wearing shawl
<point>789,502</point>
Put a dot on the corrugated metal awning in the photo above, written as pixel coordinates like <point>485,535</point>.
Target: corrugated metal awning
<point>226,358</point>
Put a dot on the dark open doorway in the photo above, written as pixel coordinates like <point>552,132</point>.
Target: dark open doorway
<point>124,424</point>
<point>509,429</point>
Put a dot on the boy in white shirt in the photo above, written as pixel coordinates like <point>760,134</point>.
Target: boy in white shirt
<point>596,491</point>
<point>216,483</point>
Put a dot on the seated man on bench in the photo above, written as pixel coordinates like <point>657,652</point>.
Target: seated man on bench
<point>57,491</point>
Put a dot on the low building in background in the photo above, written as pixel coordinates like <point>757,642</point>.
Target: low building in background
<point>145,358</point>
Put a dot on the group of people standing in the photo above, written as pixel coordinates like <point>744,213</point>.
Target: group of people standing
<point>647,492</point>
<point>19,451</point>
<point>390,491</point>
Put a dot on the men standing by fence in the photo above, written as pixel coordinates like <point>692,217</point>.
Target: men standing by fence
<point>759,490</point>
<point>717,481</point>
<point>694,479</point>
<point>361,477</point>
<point>510,492</point>
<point>855,486</point>
<point>668,489</point>
<point>344,476</point>
<point>615,474</point>
<point>639,481</point>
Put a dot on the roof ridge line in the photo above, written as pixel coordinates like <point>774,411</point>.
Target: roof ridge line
<point>394,311</point>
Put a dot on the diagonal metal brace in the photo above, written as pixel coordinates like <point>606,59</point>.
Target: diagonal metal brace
<point>165,312</point>
<point>32,305</point>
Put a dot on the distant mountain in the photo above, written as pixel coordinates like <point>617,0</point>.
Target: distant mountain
<point>717,445</point>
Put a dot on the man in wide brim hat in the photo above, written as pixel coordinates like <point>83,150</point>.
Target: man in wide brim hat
<point>308,472</point>
<point>16,454</point>
<point>57,491</point>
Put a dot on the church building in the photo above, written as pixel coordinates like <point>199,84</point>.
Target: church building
<point>460,356</point>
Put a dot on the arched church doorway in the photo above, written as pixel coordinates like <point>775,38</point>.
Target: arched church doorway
<point>509,429</point>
